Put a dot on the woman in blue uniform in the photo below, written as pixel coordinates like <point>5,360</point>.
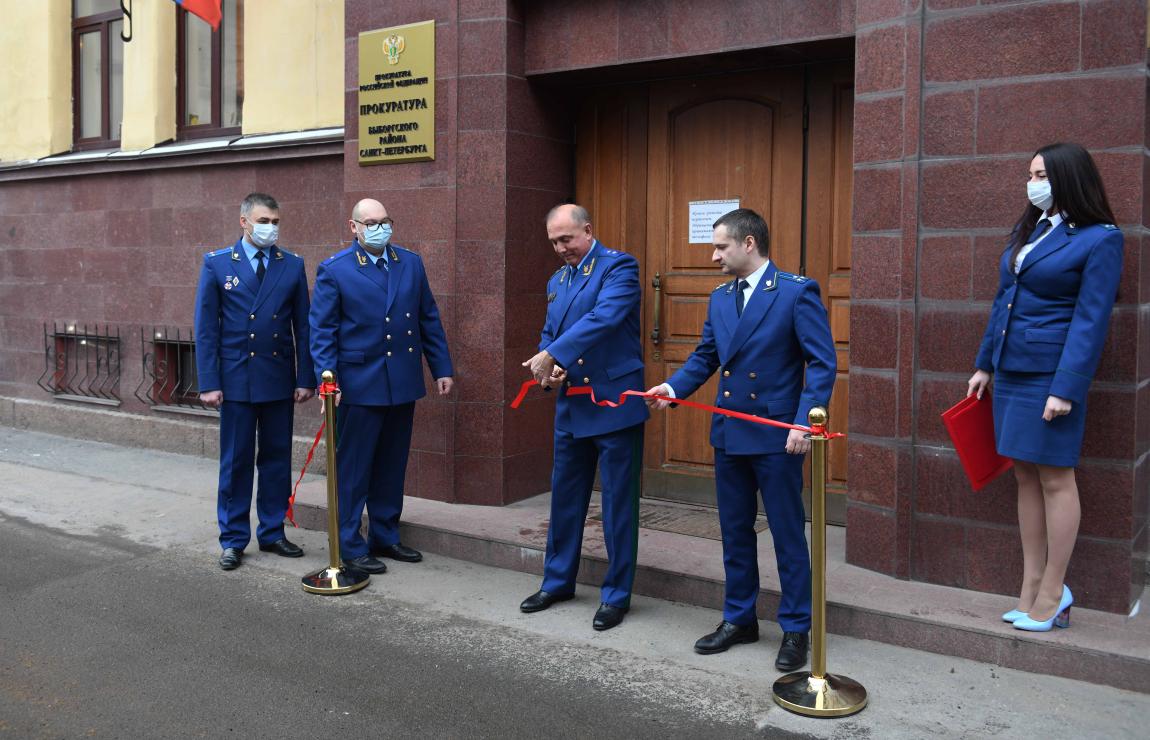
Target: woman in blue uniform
<point>1058,281</point>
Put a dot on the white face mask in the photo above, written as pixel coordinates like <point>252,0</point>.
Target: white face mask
<point>1039,194</point>
<point>265,235</point>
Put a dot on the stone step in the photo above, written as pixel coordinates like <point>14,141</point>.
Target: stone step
<point>1099,647</point>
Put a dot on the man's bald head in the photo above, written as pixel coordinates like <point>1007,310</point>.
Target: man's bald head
<point>569,231</point>
<point>368,209</point>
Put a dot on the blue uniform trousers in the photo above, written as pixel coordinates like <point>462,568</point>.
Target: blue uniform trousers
<point>240,423</point>
<point>371,461</point>
<point>779,477</point>
<point>619,456</point>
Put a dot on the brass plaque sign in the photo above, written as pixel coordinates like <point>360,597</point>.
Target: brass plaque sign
<point>397,94</point>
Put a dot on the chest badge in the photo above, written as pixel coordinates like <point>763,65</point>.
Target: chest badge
<point>231,281</point>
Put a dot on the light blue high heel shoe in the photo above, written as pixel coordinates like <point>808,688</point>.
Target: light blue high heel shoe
<point>1061,618</point>
<point>1013,616</point>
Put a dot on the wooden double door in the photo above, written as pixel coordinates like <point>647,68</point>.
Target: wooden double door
<point>775,140</point>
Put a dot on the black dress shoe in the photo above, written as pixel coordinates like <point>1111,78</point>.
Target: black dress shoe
<point>793,651</point>
<point>725,636</point>
<point>283,548</point>
<point>231,558</point>
<point>367,564</point>
<point>608,616</point>
<point>400,552</point>
<point>541,600</point>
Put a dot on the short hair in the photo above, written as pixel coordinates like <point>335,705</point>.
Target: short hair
<point>579,214</point>
<point>743,222</point>
<point>258,199</point>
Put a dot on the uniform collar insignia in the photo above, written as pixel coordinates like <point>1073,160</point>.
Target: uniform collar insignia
<point>236,256</point>
<point>361,257</point>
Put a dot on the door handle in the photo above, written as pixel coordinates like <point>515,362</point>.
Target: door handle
<point>656,283</point>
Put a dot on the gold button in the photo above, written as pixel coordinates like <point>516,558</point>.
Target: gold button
<point>274,316</point>
<point>253,354</point>
<point>387,319</point>
<point>252,317</point>
<point>753,396</point>
<point>580,360</point>
<point>275,354</point>
<point>407,315</point>
<point>753,376</point>
<point>1004,332</point>
<point>409,332</point>
<point>726,394</point>
<point>586,380</point>
<point>411,349</point>
<point>1010,305</point>
<point>275,336</point>
<point>389,354</point>
<point>726,373</point>
<point>389,337</point>
<point>251,336</point>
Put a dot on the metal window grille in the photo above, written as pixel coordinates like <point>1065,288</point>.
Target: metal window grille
<point>82,363</point>
<point>169,369</point>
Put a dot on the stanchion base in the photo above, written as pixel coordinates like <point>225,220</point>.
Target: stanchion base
<point>829,696</point>
<point>333,581</point>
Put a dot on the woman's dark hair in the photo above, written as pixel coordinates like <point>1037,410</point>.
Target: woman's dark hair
<point>1077,189</point>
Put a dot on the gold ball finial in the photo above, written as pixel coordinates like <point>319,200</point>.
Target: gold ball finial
<point>817,416</point>
<point>328,376</point>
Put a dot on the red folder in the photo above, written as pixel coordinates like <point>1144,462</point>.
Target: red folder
<point>970,423</point>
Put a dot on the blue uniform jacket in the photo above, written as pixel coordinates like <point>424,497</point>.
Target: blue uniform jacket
<point>375,345</point>
<point>592,330</point>
<point>247,332</point>
<point>762,356</point>
<point>1052,316</point>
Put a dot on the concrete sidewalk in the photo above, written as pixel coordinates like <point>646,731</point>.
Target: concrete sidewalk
<point>167,501</point>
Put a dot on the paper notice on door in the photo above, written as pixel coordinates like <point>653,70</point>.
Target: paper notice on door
<point>703,214</point>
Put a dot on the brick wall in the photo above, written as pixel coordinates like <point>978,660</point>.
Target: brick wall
<point>80,244</point>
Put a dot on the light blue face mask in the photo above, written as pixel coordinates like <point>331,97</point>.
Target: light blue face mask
<point>265,235</point>
<point>377,236</point>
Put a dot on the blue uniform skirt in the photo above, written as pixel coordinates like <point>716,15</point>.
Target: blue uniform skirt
<point>1019,431</point>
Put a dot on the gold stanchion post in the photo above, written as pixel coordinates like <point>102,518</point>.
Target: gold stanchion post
<point>336,578</point>
<point>817,693</point>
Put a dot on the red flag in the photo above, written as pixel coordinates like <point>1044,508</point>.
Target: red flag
<point>209,10</point>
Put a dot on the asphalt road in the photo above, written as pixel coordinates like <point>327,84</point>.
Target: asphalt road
<point>116,622</point>
<point>102,637</point>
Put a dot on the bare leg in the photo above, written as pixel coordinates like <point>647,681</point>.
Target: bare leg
<point>1060,492</point>
<point>1032,527</point>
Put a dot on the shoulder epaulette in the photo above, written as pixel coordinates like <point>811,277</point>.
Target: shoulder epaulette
<point>341,253</point>
<point>218,252</point>
<point>792,277</point>
<point>720,286</point>
<point>1109,227</point>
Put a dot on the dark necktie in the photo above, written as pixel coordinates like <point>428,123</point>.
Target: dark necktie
<point>1039,229</point>
<point>740,299</point>
<point>384,271</point>
<point>260,269</point>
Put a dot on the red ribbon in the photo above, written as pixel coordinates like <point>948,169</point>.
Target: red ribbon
<point>325,389</point>
<point>586,390</point>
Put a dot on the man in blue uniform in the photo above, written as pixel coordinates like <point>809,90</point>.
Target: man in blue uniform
<point>591,338</point>
<point>373,321</point>
<point>765,332</point>
<point>252,361</point>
